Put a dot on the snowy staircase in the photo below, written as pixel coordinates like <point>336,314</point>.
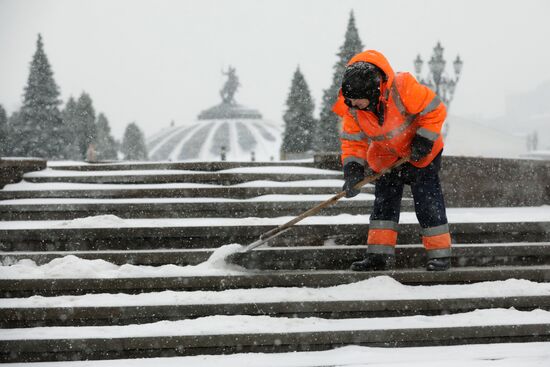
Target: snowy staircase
<point>91,292</point>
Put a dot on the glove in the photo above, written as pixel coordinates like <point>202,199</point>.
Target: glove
<point>420,147</point>
<point>353,174</point>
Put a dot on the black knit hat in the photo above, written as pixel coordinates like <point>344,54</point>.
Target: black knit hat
<point>362,80</point>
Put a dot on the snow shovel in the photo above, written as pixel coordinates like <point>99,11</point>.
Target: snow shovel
<point>285,227</point>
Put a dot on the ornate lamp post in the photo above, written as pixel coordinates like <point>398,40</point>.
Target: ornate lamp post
<point>443,85</point>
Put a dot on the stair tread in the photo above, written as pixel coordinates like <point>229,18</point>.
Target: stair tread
<point>244,324</point>
<point>455,216</point>
<point>375,289</point>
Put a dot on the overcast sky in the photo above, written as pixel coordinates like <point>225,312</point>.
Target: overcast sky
<point>153,61</point>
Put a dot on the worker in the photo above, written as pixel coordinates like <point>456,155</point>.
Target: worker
<point>387,116</point>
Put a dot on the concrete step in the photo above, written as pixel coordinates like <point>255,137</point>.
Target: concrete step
<point>15,288</point>
<point>217,178</point>
<point>214,232</point>
<point>305,257</point>
<point>264,207</point>
<point>191,192</point>
<point>25,317</point>
<point>192,166</point>
<point>102,344</point>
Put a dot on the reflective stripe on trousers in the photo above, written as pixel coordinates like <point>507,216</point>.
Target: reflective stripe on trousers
<point>437,240</point>
<point>382,237</point>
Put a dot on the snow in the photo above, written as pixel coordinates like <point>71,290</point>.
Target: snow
<point>454,215</point>
<point>482,355</point>
<point>20,158</point>
<point>377,288</point>
<point>282,169</point>
<point>63,186</point>
<point>54,186</point>
<point>71,266</point>
<point>52,163</point>
<point>243,170</point>
<point>48,172</point>
<point>98,221</point>
<point>263,198</point>
<point>307,183</point>
<point>244,324</point>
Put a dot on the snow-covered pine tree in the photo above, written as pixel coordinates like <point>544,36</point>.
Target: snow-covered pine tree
<point>106,147</point>
<point>85,129</point>
<point>70,123</point>
<point>4,139</point>
<point>37,130</point>
<point>298,117</point>
<point>326,137</point>
<point>133,143</point>
<point>13,122</point>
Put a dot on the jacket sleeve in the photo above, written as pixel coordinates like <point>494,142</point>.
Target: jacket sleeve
<point>353,140</point>
<point>422,101</point>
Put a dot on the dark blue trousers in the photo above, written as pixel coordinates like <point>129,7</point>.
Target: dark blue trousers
<point>429,204</point>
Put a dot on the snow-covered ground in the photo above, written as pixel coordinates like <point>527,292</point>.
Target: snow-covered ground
<point>529,354</point>
<point>244,324</point>
<point>379,288</point>
<point>454,215</point>
<point>73,267</point>
<point>263,198</point>
<point>152,172</point>
<point>47,186</point>
<point>482,355</point>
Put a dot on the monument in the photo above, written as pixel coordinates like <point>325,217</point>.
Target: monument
<point>227,131</point>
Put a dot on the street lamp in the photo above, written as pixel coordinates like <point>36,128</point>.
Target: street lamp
<point>443,85</point>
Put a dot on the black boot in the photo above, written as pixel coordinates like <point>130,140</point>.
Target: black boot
<point>374,262</point>
<point>439,264</point>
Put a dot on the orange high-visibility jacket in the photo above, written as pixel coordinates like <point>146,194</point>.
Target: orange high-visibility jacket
<point>410,108</point>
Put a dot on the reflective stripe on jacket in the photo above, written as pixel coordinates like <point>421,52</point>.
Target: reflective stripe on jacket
<point>410,108</point>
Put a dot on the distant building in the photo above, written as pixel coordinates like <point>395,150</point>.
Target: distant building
<point>229,129</point>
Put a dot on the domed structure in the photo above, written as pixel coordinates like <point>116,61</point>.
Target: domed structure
<point>228,129</point>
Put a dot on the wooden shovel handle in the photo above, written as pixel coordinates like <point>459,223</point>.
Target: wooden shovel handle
<point>331,201</point>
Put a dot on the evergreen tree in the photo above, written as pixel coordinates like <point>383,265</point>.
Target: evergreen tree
<point>326,137</point>
<point>85,129</point>
<point>298,117</point>
<point>106,147</point>
<point>4,138</point>
<point>70,127</point>
<point>13,121</point>
<point>37,130</point>
<point>133,143</point>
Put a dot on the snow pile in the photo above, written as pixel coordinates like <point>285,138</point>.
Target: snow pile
<point>71,267</point>
<point>57,186</point>
<point>98,221</point>
<point>48,172</point>
<point>378,288</point>
<point>455,215</point>
<point>302,183</point>
<point>218,260</point>
<point>482,355</point>
<point>123,201</point>
<point>282,169</point>
<point>244,324</point>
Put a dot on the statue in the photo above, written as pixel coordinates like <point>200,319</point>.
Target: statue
<point>230,87</point>
<point>229,109</point>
